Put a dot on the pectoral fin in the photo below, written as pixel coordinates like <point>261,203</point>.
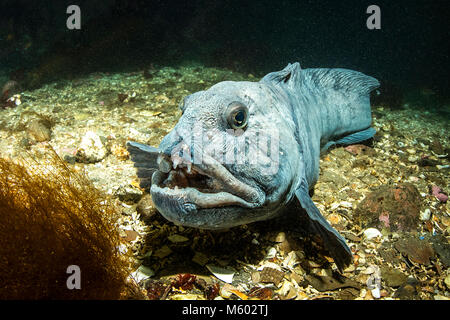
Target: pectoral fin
<point>332,240</point>
<point>145,160</point>
<point>353,138</point>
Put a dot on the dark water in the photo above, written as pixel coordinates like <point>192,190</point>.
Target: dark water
<point>410,49</point>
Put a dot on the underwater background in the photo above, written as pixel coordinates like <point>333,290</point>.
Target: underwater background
<point>121,77</point>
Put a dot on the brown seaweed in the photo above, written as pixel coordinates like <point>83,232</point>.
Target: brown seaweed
<point>50,218</point>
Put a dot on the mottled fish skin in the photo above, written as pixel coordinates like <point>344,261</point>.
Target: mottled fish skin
<point>303,110</point>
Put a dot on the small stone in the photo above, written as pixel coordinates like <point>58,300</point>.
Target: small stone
<point>442,248</point>
<point>411,151</point>
<point>393,277</point>
<point>326,283</point>
<point>376,293</point>
<point>418,251</point>
<point>440,297</point>
<point>394,207</point>
<point>91,149</point>
<point>163,252</point>
<point>142,273</point>
<point>425,215</point>
<point>200,258</point>
<point>447,281</point>
<point>256,276</point>
<point>357,149</point>
<point>437,147</point>
<point>372,233</point>
<point>271,253</point>
<point>128,194</point>
<point>226,290</point>
<point>131,235</point>
<point>145,207</point>
<point>280,237</point>
<point>176,238</point>
<point>408,290</point>
<point>271,275</point>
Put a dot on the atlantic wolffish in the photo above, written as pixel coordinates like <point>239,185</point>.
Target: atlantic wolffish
<point>244,151</point>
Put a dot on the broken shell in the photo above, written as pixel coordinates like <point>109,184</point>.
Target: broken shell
<point>371,233</point>
<point>226,275</point>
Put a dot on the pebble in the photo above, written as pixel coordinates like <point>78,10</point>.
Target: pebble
<point>371,233</point>
<point>376,293</point>
<point>271,253</point>
<point>280,237</point>
<point>393,277</point>
<point>128,193</point>
<point>200,258</point>
<point>440,297</point>
<point>271,275</point>
<point>145,207</point>
<point>425,215</point>
<point>447,281</point>
<point>142,273</point>
<point>176,238</point>
<point>163,252</point>
<point>91,149</point>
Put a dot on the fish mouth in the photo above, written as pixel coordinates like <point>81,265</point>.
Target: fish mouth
<point>188,187</point>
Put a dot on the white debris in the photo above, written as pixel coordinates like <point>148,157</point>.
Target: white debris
<point>371,233</point>
<point>226,275</point>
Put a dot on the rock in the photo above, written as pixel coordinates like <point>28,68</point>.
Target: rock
<point>425,215</point>
<point>447,281</point>
<point>439,194</point>
<point>393,277</point>
<point>442,248</point>
<point>145,207</point>
<point>427,162</point>
<point>200,258</point>
<point>418,251</point>
<point>38,130</point>
<point>142,273</point>
<point>130,235</point>
<point>328,176</point>
<point>281,236</point>
<point>129,194</point>
<point>162,252</point>
<point>271,275</point>
<point>409,290</point>
<point>326,283</point>
<point>357,149</point>
<point>396,208</point>
<point>176,238</point>
<point>91,149</point>
<point>440,297</point>
<point>437,147</point>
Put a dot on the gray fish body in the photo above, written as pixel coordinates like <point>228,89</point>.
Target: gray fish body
<point>228,177</point>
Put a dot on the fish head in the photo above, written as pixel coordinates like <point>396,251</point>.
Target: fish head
<point>228,161</point>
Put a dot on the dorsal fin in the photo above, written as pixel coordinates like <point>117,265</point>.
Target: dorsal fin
<point>341,80</point>
<point>289,76</point>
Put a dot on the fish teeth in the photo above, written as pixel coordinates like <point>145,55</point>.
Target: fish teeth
<point>175,162</point>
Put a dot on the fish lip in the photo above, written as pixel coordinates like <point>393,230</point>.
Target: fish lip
<point>233,192</point>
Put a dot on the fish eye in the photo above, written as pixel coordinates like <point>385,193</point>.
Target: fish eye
<point>236,115</point>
